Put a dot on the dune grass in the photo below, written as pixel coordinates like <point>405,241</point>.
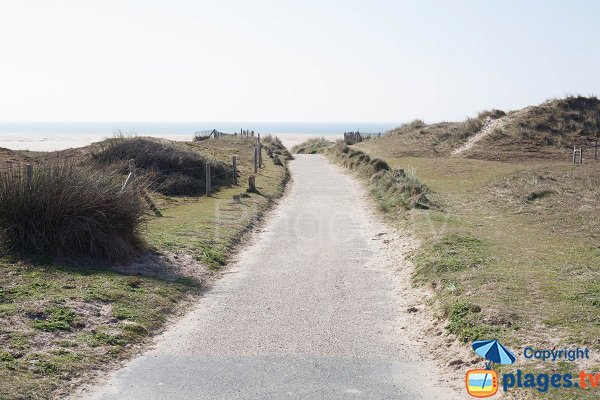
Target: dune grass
<point>168,167</point>
<point>69,210</point>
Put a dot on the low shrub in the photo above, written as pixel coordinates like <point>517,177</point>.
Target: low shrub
<point>312,146</point>
<point>170,168</point>
<point>274,143</point>
<point>449,254</point>
<point>68,210</point>
<point>393,188</point>
<point>379,165</point>
<point>465,321</point>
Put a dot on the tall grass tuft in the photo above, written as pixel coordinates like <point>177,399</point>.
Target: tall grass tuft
<point>71,211</point>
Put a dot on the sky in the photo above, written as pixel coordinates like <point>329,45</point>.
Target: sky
<point>279,60</point>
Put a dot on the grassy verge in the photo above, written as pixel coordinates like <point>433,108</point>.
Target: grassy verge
<point>510,253</point>
<point>60,322</point>
<point>510,250</point>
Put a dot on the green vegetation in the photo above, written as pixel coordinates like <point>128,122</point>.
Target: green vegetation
<point>517,240</point>
<point>62,319</point>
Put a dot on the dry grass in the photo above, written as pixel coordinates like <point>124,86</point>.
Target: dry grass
<point>312,146</point>
<point>518,242</point>
<point>68,210</point>
<point>549,130</point>
<point>170,168</point>
<point>545,131</point>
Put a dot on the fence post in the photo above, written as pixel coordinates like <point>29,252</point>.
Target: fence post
<point>207,178</point>
<point>131,175</point>
<point>234,167</point>
<point>255,159</point>
<point>131,181</point>
<point>580,155</point>
<point>260,163</point>
<point>252,183</point>
<point>29,174</point>
<point>596,151</point>
<point>150,202</point>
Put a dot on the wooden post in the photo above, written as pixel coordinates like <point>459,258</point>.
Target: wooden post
<point>574,154</point>
<point>580,155</point>
<point>150,202</point>
<point>234,167</point>
<point>252,183</point>
<point>29,174</point>
<point>596,151</point>
<point>207,178</point>
<point>260,163</point>
<point>255,159</point>
<point>131,177</point>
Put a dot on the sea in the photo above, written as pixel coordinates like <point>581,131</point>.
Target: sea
<point>51,136</point>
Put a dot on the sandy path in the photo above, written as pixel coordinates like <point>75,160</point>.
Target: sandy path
<point>488,128</point>
<point>315,308</point>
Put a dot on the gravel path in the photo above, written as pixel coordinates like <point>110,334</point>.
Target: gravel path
<point>313,309</point>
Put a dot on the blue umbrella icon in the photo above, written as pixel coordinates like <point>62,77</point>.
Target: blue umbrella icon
<point>493,351</point>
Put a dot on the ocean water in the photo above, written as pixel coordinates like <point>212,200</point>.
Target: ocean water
<point>49,136</point>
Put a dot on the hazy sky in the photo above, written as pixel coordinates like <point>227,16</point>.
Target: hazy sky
<point>278,60</point>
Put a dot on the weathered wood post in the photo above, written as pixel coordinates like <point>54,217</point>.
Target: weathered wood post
<point>580,155</point>
<point>150,202</point>
<point>596,151</point>
<point>131,176</point>
<point>29,174</point>
<point>260,163</point>
<point>234,167</point>
<point>252,183</point>
<point>574,154</point>
<point>255,159</point>
<point>131,181</point>
<point>207,178</point>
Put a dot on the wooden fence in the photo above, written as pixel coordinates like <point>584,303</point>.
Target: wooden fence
<point>132,181</point>
<point>578,152</point>
<point>356,137</point>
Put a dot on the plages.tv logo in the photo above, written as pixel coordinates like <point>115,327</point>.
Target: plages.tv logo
<point>484,382</point>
